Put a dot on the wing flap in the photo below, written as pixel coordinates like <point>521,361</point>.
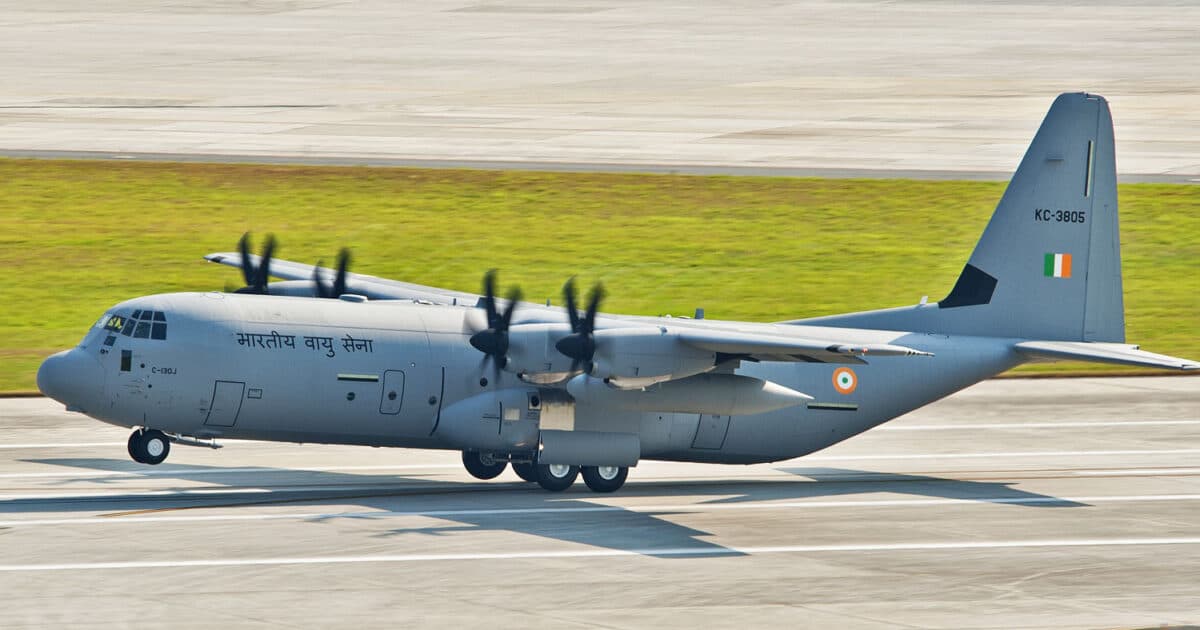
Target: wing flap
<point>1118,353</point>
<point>768,348</point>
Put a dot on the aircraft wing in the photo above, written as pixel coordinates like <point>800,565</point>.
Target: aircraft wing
<point>770,348</point>
<point>373,287</point>
<point>1119,353</point>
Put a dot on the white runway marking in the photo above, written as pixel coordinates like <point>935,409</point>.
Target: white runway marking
<point>1034,425</point>
<point>185,472</point>
<point>601,553</point>
<point>56,446</point>
<point>823,458</point>
<point>639,509</point>
<point>182,473</point>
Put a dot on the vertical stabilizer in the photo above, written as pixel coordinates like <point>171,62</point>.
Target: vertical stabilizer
<point>1051,252</point>
<point>1048,265</point>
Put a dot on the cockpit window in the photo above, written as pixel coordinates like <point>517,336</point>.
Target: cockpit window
<point>113,322</point>
<point>143,324</point>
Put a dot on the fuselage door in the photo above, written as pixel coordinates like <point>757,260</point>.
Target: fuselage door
<point>711,431</point>
<point>226,403</point>
<point>393,392</point>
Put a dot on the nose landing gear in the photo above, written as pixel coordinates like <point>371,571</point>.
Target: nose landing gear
<point>149,446</point>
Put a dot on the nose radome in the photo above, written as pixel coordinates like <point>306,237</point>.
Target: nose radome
<point>70,377</point>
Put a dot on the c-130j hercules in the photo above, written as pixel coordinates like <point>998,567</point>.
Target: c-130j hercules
<point>398,364</point>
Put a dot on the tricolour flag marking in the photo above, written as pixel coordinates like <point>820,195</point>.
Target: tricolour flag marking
<point>1057,266</point>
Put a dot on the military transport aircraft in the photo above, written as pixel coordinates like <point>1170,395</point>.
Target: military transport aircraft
<point>557,391</point>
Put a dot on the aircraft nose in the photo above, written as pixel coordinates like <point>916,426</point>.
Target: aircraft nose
<point>70,377</point>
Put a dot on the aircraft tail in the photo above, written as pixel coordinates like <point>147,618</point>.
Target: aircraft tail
<point>1048,265</point>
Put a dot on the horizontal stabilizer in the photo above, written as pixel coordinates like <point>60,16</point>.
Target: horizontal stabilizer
<point>1119,353</point>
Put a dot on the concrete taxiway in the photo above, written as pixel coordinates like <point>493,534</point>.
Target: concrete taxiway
<point>806,87</point>
<point>1058,503</point>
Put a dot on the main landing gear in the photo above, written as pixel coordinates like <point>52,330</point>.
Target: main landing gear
<point>552,477</point>
<point>483,465</point>
<point>149,446</point>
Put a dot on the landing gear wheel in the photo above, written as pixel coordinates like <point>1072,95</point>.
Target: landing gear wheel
<point>605,478</point>
<point>483,465</point>
<point>526,471</point>
<point>135,446</point>
<point>149,446</point>
<point>556,477</point>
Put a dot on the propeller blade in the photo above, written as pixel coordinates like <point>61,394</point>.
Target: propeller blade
<point>493,341</point>
<point>264,265</point>
<point>580,345</point>
<point>489,298</point>
<point>343,263</point>
<point>514,296</point>
<point>594,300</point>
<point>319,286</point>
<point>247,265</point>
<point>569,298</point>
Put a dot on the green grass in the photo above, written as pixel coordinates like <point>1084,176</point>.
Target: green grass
<point>76,237</point>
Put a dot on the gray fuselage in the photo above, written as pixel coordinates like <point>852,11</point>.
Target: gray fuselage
<point>403,374</point>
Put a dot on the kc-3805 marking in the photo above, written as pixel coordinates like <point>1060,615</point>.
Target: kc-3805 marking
<point>556,392</point>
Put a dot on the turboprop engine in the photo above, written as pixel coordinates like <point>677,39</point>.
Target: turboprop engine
<point>630,358</point>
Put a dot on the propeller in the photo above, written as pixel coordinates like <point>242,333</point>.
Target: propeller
<point>580,345</point>
<point>256,277</point>
<point>338,287</point>
<point>493,341</point>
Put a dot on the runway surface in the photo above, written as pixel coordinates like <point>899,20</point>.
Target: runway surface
<point>924,88</point>
<point>1065,503</point>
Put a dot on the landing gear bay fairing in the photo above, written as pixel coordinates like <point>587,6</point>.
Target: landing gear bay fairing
<point>559,393</point>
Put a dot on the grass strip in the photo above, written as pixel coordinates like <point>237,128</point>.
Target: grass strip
<point>79,236</point>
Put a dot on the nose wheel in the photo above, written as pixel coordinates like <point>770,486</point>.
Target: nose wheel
<point>149,446</point>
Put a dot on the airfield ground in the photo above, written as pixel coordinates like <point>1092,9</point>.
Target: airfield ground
<point>1014,504</point>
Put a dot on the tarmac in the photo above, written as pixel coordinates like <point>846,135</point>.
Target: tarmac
<point>1017,503</point>
<point>911,89</point>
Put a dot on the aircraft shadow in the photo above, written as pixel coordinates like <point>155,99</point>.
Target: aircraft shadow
<point>496,505</point>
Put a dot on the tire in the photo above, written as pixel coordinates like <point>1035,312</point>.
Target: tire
<point>482,465</point>
<point>526,471</point>
<point>149,446</point>
<point>605,478</point>
<point>135,445</point>
<point>556,477</point>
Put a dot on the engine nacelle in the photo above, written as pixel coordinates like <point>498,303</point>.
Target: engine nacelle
<point>532,354</point>
<point>638,357</point>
